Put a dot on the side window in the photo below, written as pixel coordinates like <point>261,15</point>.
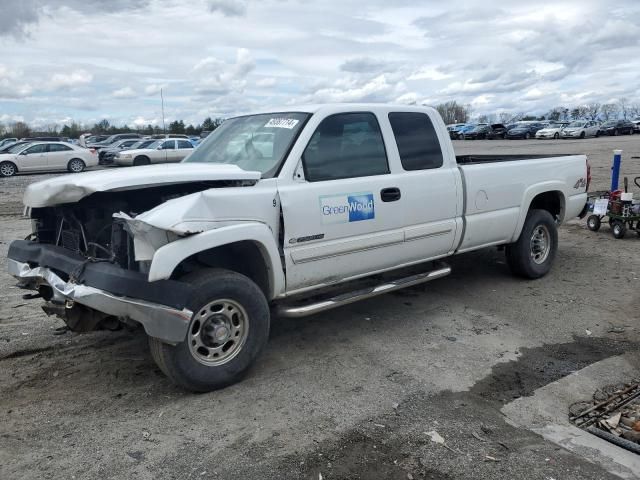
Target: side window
<point>37,149</point>
<point>417,140</point>
<point>57,147</point>
<point>169,145</point>
<point>184,144</point>
<point>345,145</point>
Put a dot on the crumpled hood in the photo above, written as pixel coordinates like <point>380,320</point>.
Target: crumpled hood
<point>73,187</point>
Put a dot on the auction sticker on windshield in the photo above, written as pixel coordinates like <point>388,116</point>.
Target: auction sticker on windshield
<point>288,123</point>
<point>347,207</point>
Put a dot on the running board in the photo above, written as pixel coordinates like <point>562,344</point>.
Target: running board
<point>297,311</point>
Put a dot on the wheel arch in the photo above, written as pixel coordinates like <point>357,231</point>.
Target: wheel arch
<point>247,249</point>
<point>549,197</point>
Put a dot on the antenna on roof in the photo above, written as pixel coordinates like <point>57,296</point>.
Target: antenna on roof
<point>164,128</point>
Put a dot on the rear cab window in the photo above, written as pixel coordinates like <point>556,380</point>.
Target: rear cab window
<point>417,140</point>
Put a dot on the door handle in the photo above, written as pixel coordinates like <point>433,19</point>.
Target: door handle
<point>391,194</point>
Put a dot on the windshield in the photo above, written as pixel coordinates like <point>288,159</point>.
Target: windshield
<point>610,123</point>
<point>576,124</point>
<point>17,148</point>
<point>253,143</point>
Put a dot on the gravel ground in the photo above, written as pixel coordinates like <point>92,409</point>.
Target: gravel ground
<point>351,393</point>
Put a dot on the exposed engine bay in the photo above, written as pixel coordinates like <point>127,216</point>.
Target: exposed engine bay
<point>89,228</point>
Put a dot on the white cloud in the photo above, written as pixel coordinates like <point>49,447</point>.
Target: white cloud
<point>255,55</point>
<point>154,89</point>
<point>69,80</point>
<point>125,92</point>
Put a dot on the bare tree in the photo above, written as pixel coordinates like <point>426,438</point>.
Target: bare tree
<point>634,110</point>
<point>609,111</point>
<point>20,130</point>
<point>505,117</point>
<point>623,104</point>
<point>555,113</point>
<point>453,112</point>
<point>592,110</point>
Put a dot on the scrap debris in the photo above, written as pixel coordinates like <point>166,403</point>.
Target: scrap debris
<point>613,414</point>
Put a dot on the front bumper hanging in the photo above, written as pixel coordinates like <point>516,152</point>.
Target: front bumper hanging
<point>167,320</point>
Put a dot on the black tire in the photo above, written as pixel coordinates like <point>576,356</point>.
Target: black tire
<point>615,132</point>
<point>594,223</point>
<point>141,160</point>
<point>184,364</point>
<point>527,136</point>
<point>597,133</point>
<point>618,229</point>
<point>582,135</point>
<point>556,136</point>
<point>520,255</point>
<point>8,169</point>
<point>76,165</point>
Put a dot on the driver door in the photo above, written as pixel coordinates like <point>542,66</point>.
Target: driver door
<point>33,158</point>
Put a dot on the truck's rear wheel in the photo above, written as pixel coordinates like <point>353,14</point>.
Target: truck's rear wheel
<point>533,254</point>
<point>228,330</point>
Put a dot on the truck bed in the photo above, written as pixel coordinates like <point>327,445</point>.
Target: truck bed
<point>480,159</point>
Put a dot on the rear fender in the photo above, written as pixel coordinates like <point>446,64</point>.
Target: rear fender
<point>532,192</point>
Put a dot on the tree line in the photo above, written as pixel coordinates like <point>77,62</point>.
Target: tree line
<point>104,127</point>
<point>451,111</point>
<point>454,112</point>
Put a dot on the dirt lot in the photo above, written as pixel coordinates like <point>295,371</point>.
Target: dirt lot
<point>352,393</point>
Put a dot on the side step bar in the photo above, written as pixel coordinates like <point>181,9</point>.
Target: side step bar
<point>297,311</point>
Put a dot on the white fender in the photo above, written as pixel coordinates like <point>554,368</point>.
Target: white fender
<point>167,258</point>
<point>530,193</point>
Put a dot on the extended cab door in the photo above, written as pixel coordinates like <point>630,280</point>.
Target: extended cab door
<point>352,209</point>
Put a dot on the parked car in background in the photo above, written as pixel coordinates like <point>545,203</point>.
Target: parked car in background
<point>13,147</point>
<point>110,153</point>
<point>47,156</point>
<point>636,125</point>
<point>524,131</point>
<point>43,139</point>
<point>169,135</point>
<point>161,151</point>
<point>551,130</point>
<point>109,141</point>
<point>105,155</point>
<point>498,130</point>
<point>581,129</point>
<point>93,139</point>
<point>453,130</point>
<point>479,132</point>
<point>617,127</point>
<point>7,141</point>
<point>466,128</point>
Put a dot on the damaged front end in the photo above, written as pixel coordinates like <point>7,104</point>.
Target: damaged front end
<point>95,235</point>
<point>90,266</point>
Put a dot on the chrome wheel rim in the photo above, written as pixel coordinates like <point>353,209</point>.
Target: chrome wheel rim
<point>540,244</point>
<point>76,166</point>
<point>218,332</point>
<point>7,169</point>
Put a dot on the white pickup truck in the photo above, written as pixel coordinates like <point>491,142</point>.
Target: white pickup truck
<point>337,203</point>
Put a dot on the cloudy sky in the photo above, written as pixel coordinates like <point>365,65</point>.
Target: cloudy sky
<point>84,60</point>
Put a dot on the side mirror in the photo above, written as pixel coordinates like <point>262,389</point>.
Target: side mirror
<point>24,153</point>
<point>159,147</point>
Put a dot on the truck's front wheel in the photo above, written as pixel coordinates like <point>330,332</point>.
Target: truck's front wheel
<point>533,254</point>
<point>229,328</point>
